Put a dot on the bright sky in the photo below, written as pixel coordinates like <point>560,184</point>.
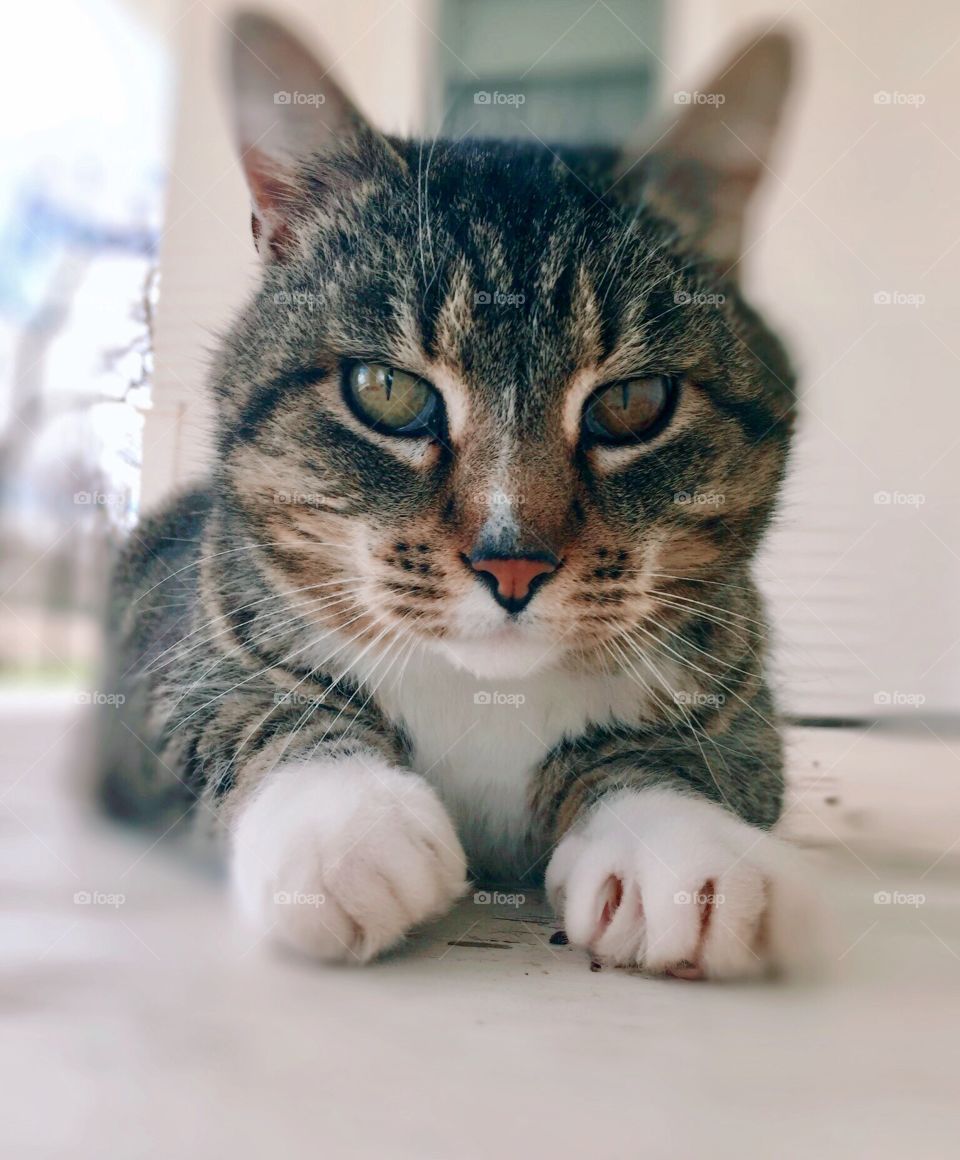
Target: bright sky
<point>81,78</point>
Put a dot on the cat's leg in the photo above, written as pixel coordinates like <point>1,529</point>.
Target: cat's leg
<point>337,849</point>
<point>650,872</point>
<point>338,857</point>
<point>675,883</point>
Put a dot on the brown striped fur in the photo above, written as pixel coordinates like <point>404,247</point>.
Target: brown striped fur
<point>383,249</point>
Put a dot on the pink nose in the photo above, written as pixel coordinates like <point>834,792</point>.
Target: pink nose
<point>513,576</point>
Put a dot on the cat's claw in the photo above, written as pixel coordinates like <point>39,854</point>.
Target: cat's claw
<point>339,859</point>
<point>679,886</point>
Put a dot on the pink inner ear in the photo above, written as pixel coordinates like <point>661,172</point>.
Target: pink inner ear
<point>273,195</point>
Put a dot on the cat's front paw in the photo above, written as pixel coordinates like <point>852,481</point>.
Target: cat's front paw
<point>678,885</point>
<point>338,859</point>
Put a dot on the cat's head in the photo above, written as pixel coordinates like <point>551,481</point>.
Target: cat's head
<point>501,397</point>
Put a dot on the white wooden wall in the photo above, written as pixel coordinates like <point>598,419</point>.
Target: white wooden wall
<point>380,52</point>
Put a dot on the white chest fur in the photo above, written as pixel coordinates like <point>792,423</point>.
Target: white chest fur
<point>479,741</point>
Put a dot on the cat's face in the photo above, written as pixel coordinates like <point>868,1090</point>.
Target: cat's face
<point>488,405</point>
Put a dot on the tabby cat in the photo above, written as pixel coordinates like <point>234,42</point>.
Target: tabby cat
<point>468,589</point>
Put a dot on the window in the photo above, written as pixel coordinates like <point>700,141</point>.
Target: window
<point>550,70</point>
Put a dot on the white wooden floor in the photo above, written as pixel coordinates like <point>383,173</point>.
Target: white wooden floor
<point>141,1024</point>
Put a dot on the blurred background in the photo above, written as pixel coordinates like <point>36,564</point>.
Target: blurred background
<point>124,242</point>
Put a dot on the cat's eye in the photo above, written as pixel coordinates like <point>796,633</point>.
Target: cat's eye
<point>630,410</point>
<point>392,400</point>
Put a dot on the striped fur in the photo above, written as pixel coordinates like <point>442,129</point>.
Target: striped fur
<point>270,616</point>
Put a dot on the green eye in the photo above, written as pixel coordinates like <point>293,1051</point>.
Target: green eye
<point>631,410</point>
<point>392,400</point>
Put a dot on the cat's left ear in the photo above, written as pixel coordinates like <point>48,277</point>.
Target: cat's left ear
<point>702,172</point>
<point>287,111</point>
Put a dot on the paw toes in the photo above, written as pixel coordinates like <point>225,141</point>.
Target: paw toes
<point>623,938</point>
<point>341,868</point>
<point>612,897</point>
<point>591,899</point>
<point>731,943</point>
<point>679,886</point>
<point>323,931</point>
<point>676,920</point>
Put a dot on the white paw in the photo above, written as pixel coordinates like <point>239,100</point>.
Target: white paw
<point>676,884</point>
<point>339,859</point>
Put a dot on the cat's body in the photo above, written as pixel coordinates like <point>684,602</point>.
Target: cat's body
<point>480,741</point>
<point>515,631</point>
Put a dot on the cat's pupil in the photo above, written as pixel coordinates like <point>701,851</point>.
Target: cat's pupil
<point>628,409</point>
<point>391,400</point>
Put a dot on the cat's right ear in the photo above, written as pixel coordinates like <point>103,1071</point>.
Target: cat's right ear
<point>286,109</point>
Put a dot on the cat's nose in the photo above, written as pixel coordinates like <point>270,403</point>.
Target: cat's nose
<point>513,579</point>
